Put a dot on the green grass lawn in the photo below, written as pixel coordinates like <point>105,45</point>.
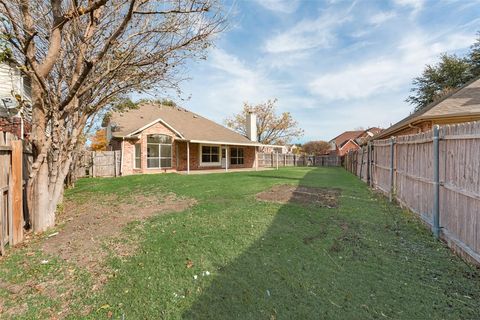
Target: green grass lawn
<point>366,259</point>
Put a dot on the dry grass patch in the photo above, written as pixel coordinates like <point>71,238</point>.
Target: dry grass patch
<point>91,225</point>
<point>285,193</point>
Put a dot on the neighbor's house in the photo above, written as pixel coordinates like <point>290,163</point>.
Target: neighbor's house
<point>157,138</point>
<point>462,105</point>
<point>14,82</point>
<point>351,140</point>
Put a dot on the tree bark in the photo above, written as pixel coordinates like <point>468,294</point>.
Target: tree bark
<point>43,217</point>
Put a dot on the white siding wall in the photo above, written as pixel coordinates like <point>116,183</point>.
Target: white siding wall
<point>11,79</point>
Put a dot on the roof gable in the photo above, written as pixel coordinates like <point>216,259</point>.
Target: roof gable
<point>187,125</point>
<point>344,137</point>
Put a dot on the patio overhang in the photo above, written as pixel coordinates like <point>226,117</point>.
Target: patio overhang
<point>224,143</point>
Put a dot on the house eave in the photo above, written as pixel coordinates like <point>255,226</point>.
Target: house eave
<point>253,144</point>
<point>420,119</point>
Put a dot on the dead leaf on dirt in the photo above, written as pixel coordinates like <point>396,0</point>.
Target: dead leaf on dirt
<point>189,264</point>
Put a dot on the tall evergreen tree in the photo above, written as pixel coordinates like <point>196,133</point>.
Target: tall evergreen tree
<point>474,57</point>
<point>438,80</point>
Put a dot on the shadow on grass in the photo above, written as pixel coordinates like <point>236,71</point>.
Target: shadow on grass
<point>272,177</point>
<point>359,261</point>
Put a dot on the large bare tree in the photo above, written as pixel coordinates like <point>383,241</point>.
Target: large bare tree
<point>317,147</point>
<point>272,128</point>
<point>83,54</point>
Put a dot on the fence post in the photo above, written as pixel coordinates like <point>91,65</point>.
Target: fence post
<point>17,192</point>
<point>392,161</point>
<point>368,163</point>
<point>436,183</point>
<point>93,164</point>
<point>114,163</point>
<point>361,163</point>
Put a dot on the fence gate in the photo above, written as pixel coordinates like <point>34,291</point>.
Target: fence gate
<point>11,191</point>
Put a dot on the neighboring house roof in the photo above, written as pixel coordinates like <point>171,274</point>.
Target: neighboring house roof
<point>373,131</point>
<point>343,138</point>
<point>187,125</point>
<point>462,102</point>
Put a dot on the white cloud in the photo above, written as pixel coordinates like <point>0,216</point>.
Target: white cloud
<point>307,34</point>
<point>388,72</point>
<point>226,83</point>
<point>283,6</point>
<point>415,5</point>
<point>382,17</point>
<point>229,64</point>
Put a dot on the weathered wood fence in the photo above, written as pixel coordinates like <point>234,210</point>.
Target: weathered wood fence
<point>292,160</point>
<point>435,174</point>
<point>12,184</point>
<point>98,164</point>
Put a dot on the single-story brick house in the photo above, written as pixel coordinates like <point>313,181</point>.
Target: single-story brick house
<point>158,138</point>
<point>461,105</point>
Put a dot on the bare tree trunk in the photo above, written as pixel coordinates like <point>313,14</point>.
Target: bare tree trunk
<point>47,196</point>
<point>43,217</point>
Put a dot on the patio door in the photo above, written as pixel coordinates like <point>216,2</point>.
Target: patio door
<point>224,157</point>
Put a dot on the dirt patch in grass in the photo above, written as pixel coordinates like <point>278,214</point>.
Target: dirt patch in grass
<point>349,239</point>
<point>92,229</point>
<point>318,236</point>
<point>284,193</point>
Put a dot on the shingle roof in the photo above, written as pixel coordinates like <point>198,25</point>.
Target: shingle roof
<point>341,139</point>
<point>464,101</point>
<point>190,126</point>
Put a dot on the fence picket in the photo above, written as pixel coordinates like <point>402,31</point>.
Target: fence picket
<point>414,184</point>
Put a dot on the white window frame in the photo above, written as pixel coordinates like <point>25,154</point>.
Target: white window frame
<point>210,164</point>
<point>160,152</point>
<point>135,155</point>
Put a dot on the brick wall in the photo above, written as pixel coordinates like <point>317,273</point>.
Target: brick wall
<point>248,154</point>
<point>347,147</point>
<point>13,125</point>
<point>418,128</point>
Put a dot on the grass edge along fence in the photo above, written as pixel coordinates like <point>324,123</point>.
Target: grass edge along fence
<point>435,174</point>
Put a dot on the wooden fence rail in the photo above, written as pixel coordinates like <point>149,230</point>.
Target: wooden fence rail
<point>292,160</point>
<point>98,164</point>
<point>439,183</point>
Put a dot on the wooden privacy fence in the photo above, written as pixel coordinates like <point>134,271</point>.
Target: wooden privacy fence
<point>435,174</point>
<point>98,164</point>
<point>292,160</point>
<point>11,190</point>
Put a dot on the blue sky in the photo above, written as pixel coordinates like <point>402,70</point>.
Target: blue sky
<point>335,65</point>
